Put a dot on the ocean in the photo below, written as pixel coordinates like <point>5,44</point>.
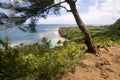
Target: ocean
<point>16,36</point>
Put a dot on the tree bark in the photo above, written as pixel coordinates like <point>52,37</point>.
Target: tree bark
<point>82,27</point>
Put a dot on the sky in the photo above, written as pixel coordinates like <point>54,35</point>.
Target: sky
<point>92,12</point>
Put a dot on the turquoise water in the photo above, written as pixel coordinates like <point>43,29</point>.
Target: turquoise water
<point>15,35</point>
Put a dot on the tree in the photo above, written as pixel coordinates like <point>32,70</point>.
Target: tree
<point>81,25</point>
<point>21,10</point>
<point>41,8</point>
<point>32,25</point>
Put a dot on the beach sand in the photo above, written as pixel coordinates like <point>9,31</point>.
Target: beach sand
<point>59,37</point>
<point>52,35</point>
<point>27,42</point>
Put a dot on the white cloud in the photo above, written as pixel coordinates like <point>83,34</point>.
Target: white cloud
<point>64,19</point>
<point>106,12</point>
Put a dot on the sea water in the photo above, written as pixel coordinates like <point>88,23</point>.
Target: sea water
<point>16,36</point>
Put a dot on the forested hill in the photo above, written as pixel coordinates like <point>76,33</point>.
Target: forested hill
<point>107,35</point>
<point>116,27</point>
<point>114,30</point>
<point>117,22</point>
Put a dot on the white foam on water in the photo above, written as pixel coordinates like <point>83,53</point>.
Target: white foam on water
<point>52,35</point>
<point>47,29</point>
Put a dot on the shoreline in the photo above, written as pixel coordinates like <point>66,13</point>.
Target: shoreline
<point>59,36</point>
<point>26,42</point>
<point>43,34</point>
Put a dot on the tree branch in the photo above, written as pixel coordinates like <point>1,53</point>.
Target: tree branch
<point>51,6</point>
<point>65,8</point>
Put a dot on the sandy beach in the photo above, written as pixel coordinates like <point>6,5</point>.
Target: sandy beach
<point>52,35</point>
<point>27,42</point>
<point>59,37</point>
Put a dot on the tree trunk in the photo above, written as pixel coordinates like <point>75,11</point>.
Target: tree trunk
<point>81,25</point>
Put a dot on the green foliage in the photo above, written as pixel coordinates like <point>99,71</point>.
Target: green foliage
<point>61,61</point>
<point>74,33</point>
<point>110,35</point>
<point>104,36</point>
<point>39,62</point>
<point>4,43</point>
<point>21,10</point>
<point>71,33</point>
<point>32,26</point>
<point>59,42</point>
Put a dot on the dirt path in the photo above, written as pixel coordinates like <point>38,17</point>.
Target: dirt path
<point>98,68</point>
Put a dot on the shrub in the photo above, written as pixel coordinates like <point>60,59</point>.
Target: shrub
<point>37,63</point>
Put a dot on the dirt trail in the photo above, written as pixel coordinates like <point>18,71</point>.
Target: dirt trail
<point>98,68</point>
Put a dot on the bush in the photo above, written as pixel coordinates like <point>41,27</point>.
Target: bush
<point>38,63</point>
<point>104,36</point>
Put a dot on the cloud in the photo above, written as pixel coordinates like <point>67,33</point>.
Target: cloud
<point>64,19</point>
<point>98,12</point>
<point>91,11</point>
<point>107,13</point>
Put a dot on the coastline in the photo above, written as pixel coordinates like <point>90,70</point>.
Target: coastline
<point>16,44</point>
<point>54,33</point>
<point>59,36</point>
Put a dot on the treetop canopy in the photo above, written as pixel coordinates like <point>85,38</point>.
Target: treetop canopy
<point>24,9</point>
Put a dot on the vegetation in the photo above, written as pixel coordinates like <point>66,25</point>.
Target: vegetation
<point>110,35</point>
<point>42,62</point>
<point>41,8</point>
<point>38,62</point>
<point>102,36</point>
<point>21,10</point>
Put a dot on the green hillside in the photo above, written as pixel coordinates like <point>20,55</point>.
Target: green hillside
<point>107,35</point>
<point>115,29</point>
